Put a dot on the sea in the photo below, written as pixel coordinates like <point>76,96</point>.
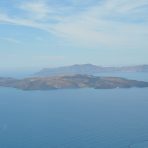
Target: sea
<point>75,118</point>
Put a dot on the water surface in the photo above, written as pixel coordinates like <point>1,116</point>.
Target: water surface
<point>77,118</point>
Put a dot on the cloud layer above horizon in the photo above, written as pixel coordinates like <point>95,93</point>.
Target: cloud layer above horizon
<point>101,27</point>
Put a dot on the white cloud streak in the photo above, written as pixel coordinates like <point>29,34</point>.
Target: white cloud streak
<point>37,10</point>
<point>111,23</point>
<point>11,40</point>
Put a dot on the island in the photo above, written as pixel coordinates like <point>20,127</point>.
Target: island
<point>70,81</point>
<point>89,69</point>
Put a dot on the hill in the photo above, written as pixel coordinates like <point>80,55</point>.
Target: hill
<point>89,69</point>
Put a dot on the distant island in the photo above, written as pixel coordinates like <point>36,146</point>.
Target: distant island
<point>70,81</point>
<point>89,69</point>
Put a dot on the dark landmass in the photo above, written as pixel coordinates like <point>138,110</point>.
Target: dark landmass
<point>71,81</point>
<point>89,69</point>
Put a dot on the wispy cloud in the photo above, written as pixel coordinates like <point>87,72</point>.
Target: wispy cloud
<point>4,18</point>
<point>11,40</point>
<point>109,23</point>
<point>36,9</point>
<point>102,24</point>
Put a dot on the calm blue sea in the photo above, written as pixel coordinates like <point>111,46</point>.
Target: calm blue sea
<point>77,118</point>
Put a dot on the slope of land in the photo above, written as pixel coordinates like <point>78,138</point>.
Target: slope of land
<point>89,69</point>
<point>72,81</point>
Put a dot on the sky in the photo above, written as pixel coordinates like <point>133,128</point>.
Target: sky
<point>47,33</point>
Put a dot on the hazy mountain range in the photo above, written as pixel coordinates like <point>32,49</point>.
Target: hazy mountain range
<point>76,76</point>
<point>89,69</point>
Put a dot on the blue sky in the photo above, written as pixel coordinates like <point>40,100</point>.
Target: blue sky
<point>47,33</point>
